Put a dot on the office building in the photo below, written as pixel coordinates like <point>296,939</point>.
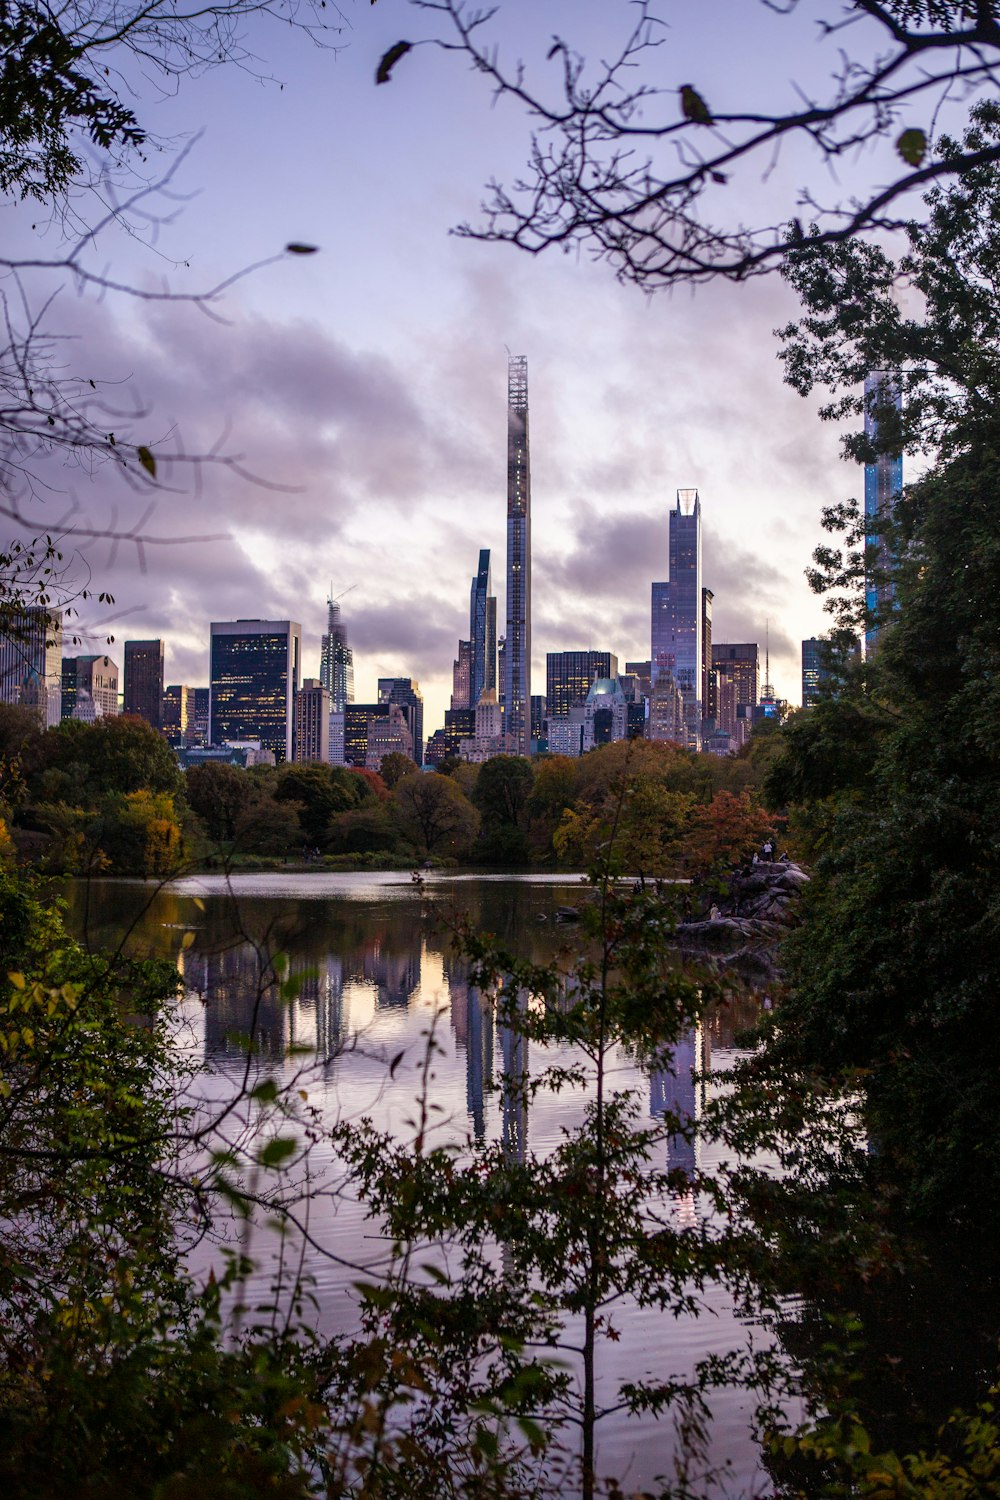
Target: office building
<point>255,670</point>
<point>177,714</point>
<point>883,486</point>
<point>642,672</point>
<point>489,738</point>
<point>741,664</point>
<point>142,686</point>
<point>358,718</point>
<point>461,677</point>
<point>502,672</point>
<point>666,711</point>
<point>31,661</point>
<point>336,742</point>
<point>336,660</point>
<point>539,711</point>
<point>198,725</point>
<point>517,664</point>
<point>482,633</point>
<point>569,676</point>
<point>676,635</point>
<point>312,722</point>
<point>89,687</point>
<point>405,694</point>
<point>390,735</point>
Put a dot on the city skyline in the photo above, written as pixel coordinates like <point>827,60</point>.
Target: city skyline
<point>363,384</point>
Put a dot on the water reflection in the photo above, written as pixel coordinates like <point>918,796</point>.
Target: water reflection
<point>372,959</point>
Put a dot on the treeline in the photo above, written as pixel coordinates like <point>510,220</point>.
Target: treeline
<point>110,798</point>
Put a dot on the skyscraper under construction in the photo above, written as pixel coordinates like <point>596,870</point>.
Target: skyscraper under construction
<point>517,661</point>
<point>336,665</point>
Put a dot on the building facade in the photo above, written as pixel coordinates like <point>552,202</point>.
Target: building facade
<point>390,735</point>
<point>404,693</point>
<point>177,714</point>
<point>142,684</point>
<point>883,486</point>
<point>31,661</point>
<point>312,722</point>
<point>569,676</point>
<point>255,673</point>
<point>739,667</point>
<point>461,677</point>
<point>89,687</point>
<point>517,664</point>
<point>676,634</point>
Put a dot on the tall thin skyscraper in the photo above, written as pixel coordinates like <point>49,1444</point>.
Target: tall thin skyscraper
<point>517,661</point>
<point>883,486</point>
<point>482,631</point>
<point>336,664</point>
<point>676,644</point>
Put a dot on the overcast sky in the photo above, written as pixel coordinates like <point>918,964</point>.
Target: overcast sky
<point>368,382</point>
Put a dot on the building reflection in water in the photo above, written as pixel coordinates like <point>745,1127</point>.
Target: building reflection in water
<point>241,1009</point>
<point>394,975</point>
<point>676,1091</point>
<point>514,1085</point>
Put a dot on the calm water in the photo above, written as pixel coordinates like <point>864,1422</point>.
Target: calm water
<point>375,973</point>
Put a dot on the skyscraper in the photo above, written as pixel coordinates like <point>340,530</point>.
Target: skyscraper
<point>883,486</point>
<point>336,663</point>
<point>676,637</point>
<point>569,676</point>
<point>709,681</point>
<point>517,664</point>
<point>89,687</point>
<point>312,722</point>
<point>255,666</point>
<point>461,677</point>
<point>142,688</point>
<point>404,693</point>
<point>31,660</point>
<point>482,632</point>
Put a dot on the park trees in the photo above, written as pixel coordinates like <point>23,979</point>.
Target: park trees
<point>435,816</point>
<point>893,969</point>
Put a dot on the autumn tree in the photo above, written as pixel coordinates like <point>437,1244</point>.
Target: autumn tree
<point>435,816</point>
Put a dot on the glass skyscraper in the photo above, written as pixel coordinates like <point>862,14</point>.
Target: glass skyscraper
<point>255,671</point>
<point>676,636</point>
<point>517,661</point>
<point>883,485</point>
<point>482,631</point>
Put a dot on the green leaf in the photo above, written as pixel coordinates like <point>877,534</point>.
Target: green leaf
<point>390,59</point>
<point>912,146</point>
<point>277,1151</point>
<point>265,1091</point>
<point>297,248</point>
<point>693,106</point>
<point>146,459</point>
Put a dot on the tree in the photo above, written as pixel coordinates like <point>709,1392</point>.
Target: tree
<point>322,792</point>
<point>501,794</point>
<point>637,167</point>
<point>394,767</point>
<point>894,970</point>
<point>435,816</point>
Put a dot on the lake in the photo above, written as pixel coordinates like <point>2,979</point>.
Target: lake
<point>375,970</point>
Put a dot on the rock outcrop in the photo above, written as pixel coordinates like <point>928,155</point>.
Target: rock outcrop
<point>758,908</point>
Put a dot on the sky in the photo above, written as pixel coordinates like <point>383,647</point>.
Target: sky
<point>355,400</point>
